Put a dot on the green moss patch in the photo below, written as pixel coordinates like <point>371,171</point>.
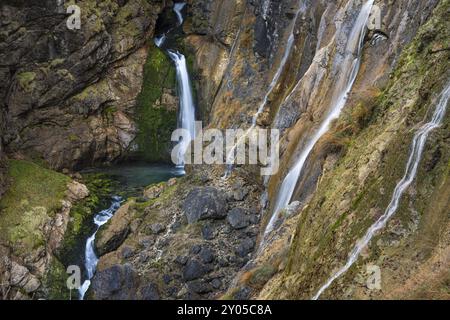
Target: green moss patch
<point>34,197</point>
<point>155,123</point>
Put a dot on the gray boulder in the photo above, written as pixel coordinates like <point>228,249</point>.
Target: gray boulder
<point>204,203</point>
<point>238,218</point>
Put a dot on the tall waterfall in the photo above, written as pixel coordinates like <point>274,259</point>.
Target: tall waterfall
<point>186,115</point>
<point>348,70</point>
<point>91,258</point>
<point>417,146</point>
<point>231,154</point>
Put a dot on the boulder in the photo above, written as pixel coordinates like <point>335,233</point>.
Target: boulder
<point>238,218</point>
<point>112,235</point>
<point>204,203</point>
<point>118,282</point>
<point>244,247</point>
<point>194,269</point>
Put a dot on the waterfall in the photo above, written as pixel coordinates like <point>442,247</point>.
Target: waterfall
<point>160,40</point>
<point>415,154</point>
<point>348,70</point>
<point>265,8</point>
<point>186,113</point>
<point>186,116</point>
<point>231,154</point>
<point>91,258</point>
<point>177,8</point>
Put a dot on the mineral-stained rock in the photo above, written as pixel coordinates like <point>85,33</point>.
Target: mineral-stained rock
<point>204,203</point>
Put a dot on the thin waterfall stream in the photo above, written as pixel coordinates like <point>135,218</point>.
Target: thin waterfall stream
<point>415,155</point>
<point>349,68</point>
<point>231,154</point>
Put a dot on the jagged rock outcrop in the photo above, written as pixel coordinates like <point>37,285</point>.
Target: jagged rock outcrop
<point>68,96</point>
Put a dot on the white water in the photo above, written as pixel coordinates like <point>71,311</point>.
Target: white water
<point>231,154</point>
<point>91,259</point>
<point>160,40</point>
<point>177,8</point>
<point>265,8</point>
<point>417,146</point>
<point>349,68</point>
<point>186,115</point>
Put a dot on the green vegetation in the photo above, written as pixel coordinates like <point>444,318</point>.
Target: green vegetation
<point>155,123</point>
<point>34,197</point>
<point>26,80</point>
<point>55,282</point>
<point>100,189</point>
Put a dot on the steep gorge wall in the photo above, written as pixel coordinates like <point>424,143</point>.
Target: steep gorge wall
<point>68,96</point>
<point>333,210</point>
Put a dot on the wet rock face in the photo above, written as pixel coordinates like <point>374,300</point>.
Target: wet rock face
<point>204,203</point>
<point>70,93</point>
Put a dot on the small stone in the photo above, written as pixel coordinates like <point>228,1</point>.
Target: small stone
<point>172,182</point>
<point>208,233</point>
<point>150,292</point>
<point>199,286</point>
<point>167,278</point>
<point>194,269</point>
<point>181,260</point>
<point>216,283</point>
<point>245,247</point>
<point>240,194</point>
<point>237,218</point>
<point>196,249</point>
<point>206,255</point>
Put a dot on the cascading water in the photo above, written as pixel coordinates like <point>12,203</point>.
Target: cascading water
<point>415,155</point>
<point>91,258</point>
<point>231,154</point>
<point>160,40</point>
<point>186,114</point>
<point>349,68</point>
<point>177,8</point>
<point>187,109</point>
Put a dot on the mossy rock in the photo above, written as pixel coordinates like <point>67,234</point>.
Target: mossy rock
<point>32,199</point>
<point>79,227</point>
<point>155,123</point>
